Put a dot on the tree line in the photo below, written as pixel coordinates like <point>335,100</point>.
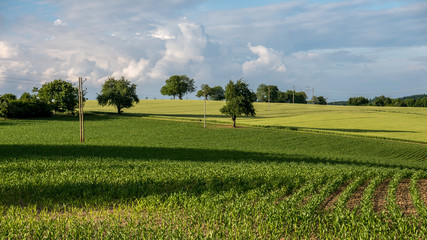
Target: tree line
<point>411,101</point>
<point>180,85</point>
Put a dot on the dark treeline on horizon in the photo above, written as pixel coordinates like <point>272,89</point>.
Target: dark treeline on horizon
<point>419,100</point>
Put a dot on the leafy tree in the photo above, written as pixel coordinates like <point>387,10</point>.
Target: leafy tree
<point>217,93</point>
<point>7,97</point>
<point>421,102</point>
<point>119,93</point>
<point>26,97</point>
<point>59,94</point>
<point>262,93</point>
<point>284,97</point>
<point>320,100</point>
<point>239,100</point>
<point>382,101</point>
<point>178,85</point>
<point>300,97</point>
<point>410,102</point>
<point>204,92</point>
<point>358,101</point>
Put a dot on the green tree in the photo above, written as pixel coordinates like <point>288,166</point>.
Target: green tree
<point>263,90</point>
<point>321,100</point>
<point>119,93</point>
<point>178,85</point>
<point>7,97</point>
<point>204,92</point>
<point>239,100</point>
<point>59,94</point>
<point>217,93</point>
<point>358,101</point>
<point>382,101</point>
<point>26,97</point>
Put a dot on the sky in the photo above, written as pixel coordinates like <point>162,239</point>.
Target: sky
<point>340,49</point>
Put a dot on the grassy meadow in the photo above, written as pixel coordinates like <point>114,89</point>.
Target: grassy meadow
<point>156,173</point>
<point>384,122</point>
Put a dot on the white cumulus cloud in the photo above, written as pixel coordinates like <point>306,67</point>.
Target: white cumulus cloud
<point>268,60</point>
<point>181,52</point>
<point>6,51</point>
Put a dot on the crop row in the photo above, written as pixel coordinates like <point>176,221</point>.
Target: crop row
<point>184,199</point>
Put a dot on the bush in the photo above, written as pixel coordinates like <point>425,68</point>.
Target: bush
<point>25,109</point>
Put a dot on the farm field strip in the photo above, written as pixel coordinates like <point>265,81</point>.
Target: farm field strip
<point>402,123</point>
<point>141,178</point>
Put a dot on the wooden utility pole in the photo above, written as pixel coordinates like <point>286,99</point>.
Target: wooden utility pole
<point>82,134</point>
<point>205,111</point>
<point>269,88</point>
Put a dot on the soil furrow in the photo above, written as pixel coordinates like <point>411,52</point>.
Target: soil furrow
<point>403,197</point>
<point>357,196</point>
<point>380,196</point>
<point>330,201</point>
<point>422,188</point>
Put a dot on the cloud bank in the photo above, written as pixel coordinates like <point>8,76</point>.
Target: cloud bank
<point>340,48</point>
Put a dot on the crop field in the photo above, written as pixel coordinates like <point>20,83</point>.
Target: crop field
<point>409,124</point>
<point>145,175</point>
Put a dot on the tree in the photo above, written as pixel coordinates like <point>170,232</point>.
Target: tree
<point>119,93</point>
<point>26,97</point>
<point>382,101</point>
<point>239,100</point>
<point>59,94</point>
<point>320,100</point>
<point>178,85</point>
<point>264,92</point>
<point>7,97</point>
<point>205,91</point>
<point>358,101</point>
<point>217,93</point>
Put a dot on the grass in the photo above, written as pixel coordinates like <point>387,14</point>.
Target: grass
<point>385,122</point>
<point>149,177</point>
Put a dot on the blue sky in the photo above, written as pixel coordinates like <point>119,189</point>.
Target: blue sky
<point>341,49</point>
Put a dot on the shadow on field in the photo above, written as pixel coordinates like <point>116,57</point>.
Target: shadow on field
<point>72,152</point>
<point>96,192</point>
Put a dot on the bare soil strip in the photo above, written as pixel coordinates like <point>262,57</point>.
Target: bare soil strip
<point>403,197</point>
<point>422,188</point>
<point>357,196</point>
<point>329,203</point>
<point>380,196</point>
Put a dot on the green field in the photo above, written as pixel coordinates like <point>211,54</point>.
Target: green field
<point>146,175</point>
<point>408,124</point>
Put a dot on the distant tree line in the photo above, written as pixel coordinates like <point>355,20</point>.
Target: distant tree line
<point>410,101</point>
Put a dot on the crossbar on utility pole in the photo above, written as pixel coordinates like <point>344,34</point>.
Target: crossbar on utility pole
<point>82,135</point>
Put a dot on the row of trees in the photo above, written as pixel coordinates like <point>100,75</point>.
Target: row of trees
<point>387,101</point>
<point>180,85</point>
